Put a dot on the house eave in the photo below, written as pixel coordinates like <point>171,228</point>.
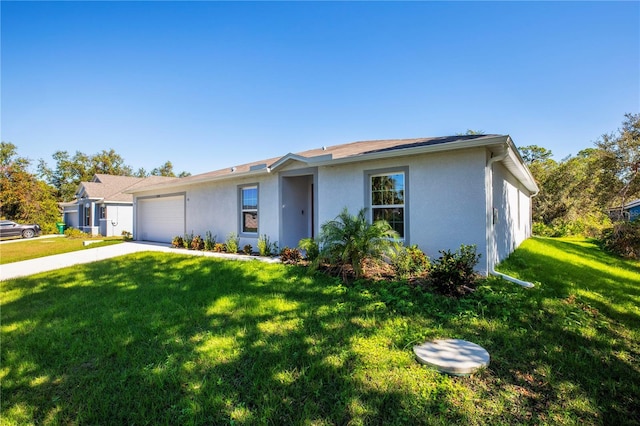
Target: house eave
<point>495,143</point>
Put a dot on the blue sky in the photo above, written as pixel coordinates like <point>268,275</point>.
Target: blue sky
<point>208,85</point>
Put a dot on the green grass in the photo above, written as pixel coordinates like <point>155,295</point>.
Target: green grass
<point>158,338</point>
<point>41,247</point>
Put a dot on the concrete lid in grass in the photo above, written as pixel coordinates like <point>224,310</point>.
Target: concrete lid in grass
<point>452,356</point>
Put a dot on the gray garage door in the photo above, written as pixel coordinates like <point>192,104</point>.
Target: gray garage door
<point>160,219</point>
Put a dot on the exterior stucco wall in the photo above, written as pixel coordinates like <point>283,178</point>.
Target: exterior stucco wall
<point>446,197</point>
<point>512,212</point>
<point>214,207</point>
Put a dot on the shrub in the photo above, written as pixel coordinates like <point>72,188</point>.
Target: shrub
<point>232,243</point>
<point>127,235</point>
<point>349,240</point>
<point>209,241</point>
<point>623,239</point>
<point>453,274</point>
<point>219,247</point>
<point>290,255</point>
<point>247,249</point>
<point>187,239</point>
<point>409,261</point>
<point>75,233</point>
<point>177,242</point>
<point>310,246</point>
<point>197,243</point>
<point>265,247</point>
<point>589,225</point>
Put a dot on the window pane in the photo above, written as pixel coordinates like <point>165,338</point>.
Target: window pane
<point>249,198</point>
<point>249,222</point>
<point>395,217</point>
<point>387,190</point>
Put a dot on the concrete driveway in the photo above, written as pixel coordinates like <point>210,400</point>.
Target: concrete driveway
<point>51,263</point>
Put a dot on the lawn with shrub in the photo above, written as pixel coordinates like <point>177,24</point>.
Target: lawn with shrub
<point>41,247</point>
<point>156,338</point>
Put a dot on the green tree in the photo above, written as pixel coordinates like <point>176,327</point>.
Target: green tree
<point>534,154</point>
<point>23,197</point>
<point>70,171</point>
<point>349,240</point>
<point>165,170</point>
<point>568,200</point>
<point>619,163</point>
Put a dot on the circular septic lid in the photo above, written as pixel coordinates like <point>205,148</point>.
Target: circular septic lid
<point>452,356</point>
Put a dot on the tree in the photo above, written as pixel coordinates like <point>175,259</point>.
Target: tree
<point>165,170</point>
<point>619,162</point>
<point>70,171</point>
<point>568,200</point>
<point>23,197</point>
<point>534,153</point>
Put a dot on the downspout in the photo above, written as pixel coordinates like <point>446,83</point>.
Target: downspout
<point>490,226</point>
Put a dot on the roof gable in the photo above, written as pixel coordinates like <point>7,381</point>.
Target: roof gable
<point>112,188</point>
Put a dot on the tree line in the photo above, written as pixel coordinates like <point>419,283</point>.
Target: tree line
<point>580,194</point>
<point>33,197</point>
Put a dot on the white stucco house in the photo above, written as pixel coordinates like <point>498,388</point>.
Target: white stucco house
<point>102,207</point>
<point>436,192</point>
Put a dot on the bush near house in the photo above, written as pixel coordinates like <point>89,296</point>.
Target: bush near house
<point>232,243</point>
<point>409,261</point>
<point>290,256</point>
<point>311,248</point>
<point>453,274</point>
<point>177,242</point>
<point>209,241</point>
<point>265,246</point>
<point>197,243</point>
<point>348,240</point>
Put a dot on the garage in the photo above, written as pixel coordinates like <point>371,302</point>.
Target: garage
<point>160,218</point>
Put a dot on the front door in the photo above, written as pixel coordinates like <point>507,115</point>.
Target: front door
<point>298,210</point>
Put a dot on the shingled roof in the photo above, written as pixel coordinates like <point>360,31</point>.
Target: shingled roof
<point>111,188</point>
<point>351,152</point>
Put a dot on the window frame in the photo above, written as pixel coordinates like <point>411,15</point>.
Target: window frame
<point>369,175</point>
<point>242,210</point>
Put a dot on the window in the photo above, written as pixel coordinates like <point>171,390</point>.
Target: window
<point>388,199</point>
<point>87,215</point>
<point>249,209</point>
<point>103,212</point>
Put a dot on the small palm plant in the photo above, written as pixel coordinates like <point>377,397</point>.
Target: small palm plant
<point>349,240</point>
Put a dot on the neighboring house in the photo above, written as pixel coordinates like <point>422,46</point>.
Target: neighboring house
<point>437,193</point>
<point>630,211</point>
<point>102,207</point>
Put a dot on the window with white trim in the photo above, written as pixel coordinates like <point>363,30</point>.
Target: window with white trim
<point>388,199</point>
<point>249,209</point>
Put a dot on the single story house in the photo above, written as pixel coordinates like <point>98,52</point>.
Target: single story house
<point>102,207</point>
<point>630,211</point>
<point>437,192</point>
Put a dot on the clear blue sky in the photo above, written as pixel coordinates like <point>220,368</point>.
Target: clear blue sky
<point>208,85</point>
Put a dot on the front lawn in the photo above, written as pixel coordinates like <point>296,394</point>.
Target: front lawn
<point>156,338</point>
<point>41,247</point>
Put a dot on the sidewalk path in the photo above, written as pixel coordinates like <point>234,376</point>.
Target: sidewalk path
<point>51,263</point>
